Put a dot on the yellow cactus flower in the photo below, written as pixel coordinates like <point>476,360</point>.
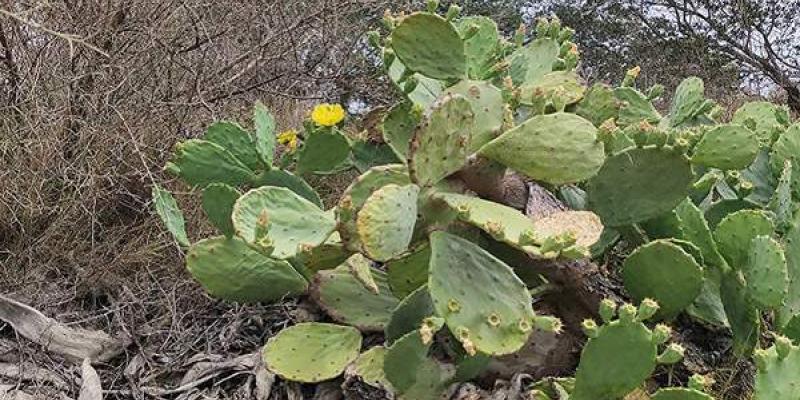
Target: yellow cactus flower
<point>327,114</point>
<point>288,138</point>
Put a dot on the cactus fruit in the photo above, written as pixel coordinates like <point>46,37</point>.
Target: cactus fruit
<point>763,116</point>
<point>398,128</point>
<point>264,139</point>
<point>484,304</point>
<point>406,274</point>
<point>481,46</point>
<point>441,142</point>
<point>323,151</point>
<point>288,221</point>
<point>200,162</point>
<point>413,374</point>
<point>231,270</point>
<point>663,271</point>
<point>736,231</point>
<point>787,147</point>
<point>358,192</point>
<point>346,300</point>
<point>777,366</point>
<point>170,214</point>
<point>487,106</point>
<point>766,273</point>
<point>429,44</point>
<point>283,178</point>
<point>232,137</point>
<point>218,201</point>
<point>409,314</point>
<point>541,146</point>
<point>639,184</point>
<point>386,222</point>
<point>312,352</point>
<point>727,147</point>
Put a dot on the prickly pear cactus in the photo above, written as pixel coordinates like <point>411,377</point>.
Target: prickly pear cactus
<point>429,44</point>
<point>777,376</point>
<point>386,222</point>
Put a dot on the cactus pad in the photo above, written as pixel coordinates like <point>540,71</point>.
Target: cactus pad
<point>599,105</point>
<point>293,222</point>
<point>200,162</point>
<point>791,308</point>
<point>765,273</point>
<point>776,376</point>
<point>230,269</point>
<point>694,228</point>
<point>312,352</point>
<point>638,184</point>
<point>264,140</point>
<point>441,142</point>
<point>565,86</point>
<point>398,129</point>
<point>236,140</point>
<point>584,225</point>
<point>688,101</point>
<point>369,367</point>
<point>680,394</point>
<point>361,268</point>
<point>408,273</point>
<point>218,201</point>
<point>413,374</point>
<point>487,107</point>
<point>346,299</point>
<point>283,178</point>
<point>763,114</point>
<point>787,148</point>
<point>529,63</point>
<point>322,151</point>
<point>664,272</point>
<point>543,146</point>
<point>743,317</point>
<point>731,147</point>
<point>426,91</point>
<point>635,107</point>
<point>429,44</point>
<point>328,255</point>
<point>170,214</point>
<point>409,314</point>
<point>386,222</point>
<point>736,231</point>
<point>481,46</point>
<point>483,302</point>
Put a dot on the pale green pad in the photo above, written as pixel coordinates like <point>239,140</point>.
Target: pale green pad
<point>781,202</point>
<point>398,129</point>
<point>663,271</point>
<point>694,228</point>
<point>408,273</point>
<point>426,91</point>
<point>680,394</point>
<point>791,308</point>
<point>743,318</point>
<point>293,220</point>
<point>481,47</point>
<point>736,231</point>
<point>413,374</point>
<point>763,113</point>
<point>428,44</point>
<point>236,140</point>
<point>322,152</point>
<point>635,107</point>
<point>533,61</point>
<point>480,297</point>
<point>441,142</point>
<point>171,215</point>
<point>638,184</point>
<point>566,85</point>
<point>328,255</point>
<point>599,104</point>
<point>283,178</point>
<point>369,367</point>
<point>488,108</point>
<point>358,192</point>
<point>361,268</point>
<point>688,101</point>
<point>727,147</point>
<point>218,201</point>
<point>779,380</point>
<point>616,362</point>
<point>765,273</point>
<point>200,162</point>
<point>230,269</point>
<point>409,314</point>
<point>312,352</point>
<point>265,133</point>
<point>386,222</point>
<point>555,148</point>
<point>346,299</point>
<point>787,148</point>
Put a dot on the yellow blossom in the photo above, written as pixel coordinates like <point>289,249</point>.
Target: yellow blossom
<point>327,114</point>
<point>288,138</point>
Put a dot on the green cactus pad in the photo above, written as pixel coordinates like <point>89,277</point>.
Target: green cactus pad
<point>386,222</point>
<point>566,85</point>
<point>487,107</point>
<point>661,270</point>
<point>776,376</point>
<point>765,273</point>
<point>409,314</point>
<point>695,229</point>
<point>328,255</point>
<point>765,116</point>
<point>346,299</point>
<point>408,273</point>
<point>717,211</point>
<point>361,268</point>
<point>441,142</point>
<point>584,225</point>
<point>680,394</point>
<point>369,367</point>
<point>200,162</point>
<point>426,91</point>
<point>781,203</point>
<point>599,104</point>
<point>635,107</point>
<point>638,184</point>
<point>481,47</point>
<point>727,147</point>
<point>312,352</point>
<point>615,362</point>
<point>170,214</point>
<point>736,231</point>
<point>293,221</point>
<point>236,140</point>
<point>218,201</point>
<point>483,302</point>
<point>230,269</point>
<point>358,192</point>
<point>264,140</point>
<point>398,129</point>
<point>791,308</point>
<point>536,59</point>
<point>543,146</point>
<point>429,44</point>
<point>787,148</point>
<point>504,223</point>
<point>763,178</point>
<point>413,374</point>
<point>688,101</point>
<point>743,318</point>
<point>283,178</point>
<point>322,152</point>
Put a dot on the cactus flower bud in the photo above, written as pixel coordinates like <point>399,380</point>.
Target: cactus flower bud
<point>661,333</point>
<point>627,313</point>
<point>672,354</point>
<point>783,346</point>
<point>647,309</point>
<point>453,12</point>
<point>590,328</point>
<point>432,5</point>
<point>542,27</point>
<point>548,324</point>
<point>608,310</point>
